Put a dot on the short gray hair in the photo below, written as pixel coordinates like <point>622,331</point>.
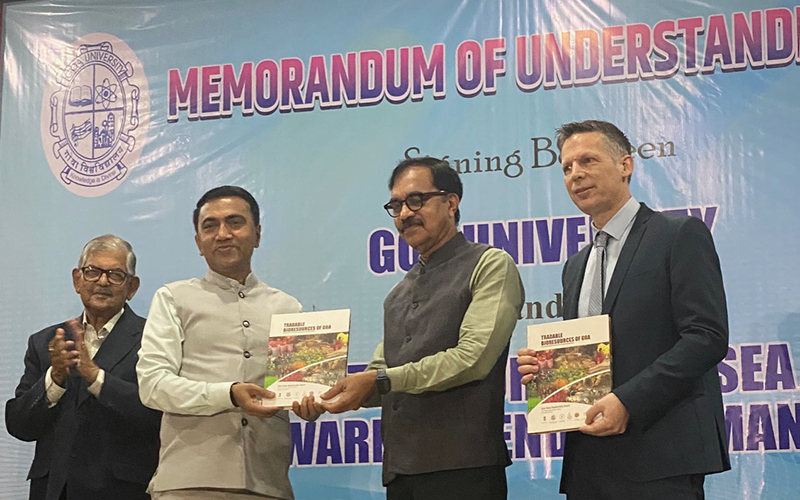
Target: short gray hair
<point>109,243</point>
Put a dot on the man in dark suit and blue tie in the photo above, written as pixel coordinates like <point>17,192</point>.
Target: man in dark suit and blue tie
<point>78,398</point>
<point>661,429</point>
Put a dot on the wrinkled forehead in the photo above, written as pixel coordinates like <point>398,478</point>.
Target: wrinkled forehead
<point>108,259</point>
<point>413,180</point>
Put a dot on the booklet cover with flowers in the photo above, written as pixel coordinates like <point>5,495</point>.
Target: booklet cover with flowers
<point>574,372</point>
<point>308,354</point>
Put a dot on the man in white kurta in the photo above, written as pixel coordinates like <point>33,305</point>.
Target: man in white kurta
<point>203,361</point>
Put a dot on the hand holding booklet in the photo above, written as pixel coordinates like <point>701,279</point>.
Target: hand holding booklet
<point>308,354</point>
<point>574,372</point>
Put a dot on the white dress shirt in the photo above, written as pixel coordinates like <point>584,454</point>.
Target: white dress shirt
<point>617,229</point>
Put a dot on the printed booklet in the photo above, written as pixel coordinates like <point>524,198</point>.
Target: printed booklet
<point>574,372</point>
<point>308,354</point>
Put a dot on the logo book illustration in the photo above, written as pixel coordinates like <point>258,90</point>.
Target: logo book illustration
<point>95,115</point>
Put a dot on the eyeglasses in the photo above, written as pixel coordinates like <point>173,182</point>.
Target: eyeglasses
<point>115,277</point>
<point>414,202</point>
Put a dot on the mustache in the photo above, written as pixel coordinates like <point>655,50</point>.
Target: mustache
<point>410,222</point>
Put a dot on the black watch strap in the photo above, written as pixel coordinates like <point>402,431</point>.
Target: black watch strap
<point>382,382</point>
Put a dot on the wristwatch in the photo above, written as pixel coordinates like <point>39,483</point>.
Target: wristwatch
<point>382,382</point>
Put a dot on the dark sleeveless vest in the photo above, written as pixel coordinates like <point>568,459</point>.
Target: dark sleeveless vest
<point>461,427</point>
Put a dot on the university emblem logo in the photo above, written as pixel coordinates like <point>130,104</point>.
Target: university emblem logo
<point>95,115</point>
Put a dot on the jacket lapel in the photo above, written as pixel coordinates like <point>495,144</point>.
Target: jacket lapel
<point>118,343</point>
<point>626,256</point>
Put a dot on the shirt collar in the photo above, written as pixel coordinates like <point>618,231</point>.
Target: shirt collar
<point>445,251</point>
<point>229,283</point>
<point>616,226</point>
<point>110,324</point>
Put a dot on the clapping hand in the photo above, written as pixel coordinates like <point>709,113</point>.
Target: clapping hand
<point>86,366</point>
<point>62,357</point>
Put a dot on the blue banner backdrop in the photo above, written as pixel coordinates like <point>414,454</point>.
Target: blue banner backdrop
<point>117,115</point>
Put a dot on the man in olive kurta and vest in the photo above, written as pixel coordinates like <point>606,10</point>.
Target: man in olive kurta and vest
<point>439,371</point>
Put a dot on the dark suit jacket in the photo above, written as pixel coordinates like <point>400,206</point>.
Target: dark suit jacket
<point>669,331</point>
<point>106,444</point>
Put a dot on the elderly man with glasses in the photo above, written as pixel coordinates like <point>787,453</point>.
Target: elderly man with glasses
<point>78,397</point>
<point>439,373</point>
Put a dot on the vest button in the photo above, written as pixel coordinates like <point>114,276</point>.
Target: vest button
<point>246,324</point>
<point>395,405</point>
<point>244,422</point>
<point>408,338</point>
<point>241,295</point>
<point>414,304</point>
<point>247,354</point>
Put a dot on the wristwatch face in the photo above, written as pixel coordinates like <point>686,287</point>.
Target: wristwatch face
<point>383,383</point>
